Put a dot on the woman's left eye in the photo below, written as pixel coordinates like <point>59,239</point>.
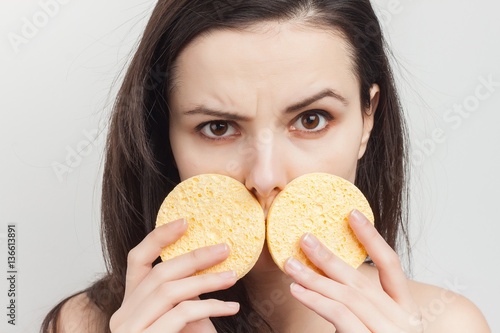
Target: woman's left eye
<point>312,121</point>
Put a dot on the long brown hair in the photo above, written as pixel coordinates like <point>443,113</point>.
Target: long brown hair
<point>140,171</point>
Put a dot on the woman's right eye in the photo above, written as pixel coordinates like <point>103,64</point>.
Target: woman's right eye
<point>217,130</point>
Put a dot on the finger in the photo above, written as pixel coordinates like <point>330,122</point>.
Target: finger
<point>192,311</point>
<point>392,277</point>
<point>141,257</point>
<point>335,312</point>
<point>169,294</point>
<point>338,270</point>
<point>189,263</point>
<point>203,325</point>
<point>176,268</point>
<point>330,264</point>
<point>356,302</point>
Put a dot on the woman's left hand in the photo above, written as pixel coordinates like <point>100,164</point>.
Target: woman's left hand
<point>348,299</point>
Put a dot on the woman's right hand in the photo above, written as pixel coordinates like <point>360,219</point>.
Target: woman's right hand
<point>164,298</point>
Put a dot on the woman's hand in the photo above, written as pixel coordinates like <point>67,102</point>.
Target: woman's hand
<point>164,298</point>
<point>347,298</point>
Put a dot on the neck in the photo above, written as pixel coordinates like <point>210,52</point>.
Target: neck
<point>269,291</point>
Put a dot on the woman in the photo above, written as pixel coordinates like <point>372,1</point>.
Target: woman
<point>262,91</point>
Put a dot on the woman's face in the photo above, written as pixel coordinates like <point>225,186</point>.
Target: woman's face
<point>268,105</point>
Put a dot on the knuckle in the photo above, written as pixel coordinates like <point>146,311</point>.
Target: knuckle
<point>155,236</point>
<point>158,272</point>
<point>348,295</point>
<point>185,308</point>
<point>208,280</point>
<point>339,309</point>
<point>312,277</point>
<point>115,322</point>
<point>361,282</point>
<point>197,255</point>
<point>166,291</point>
<point>391,260</point>
<point>133,257</point>
<point>372,234</point>
<point>325,255</point>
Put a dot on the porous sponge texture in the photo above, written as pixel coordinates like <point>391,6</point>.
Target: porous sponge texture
<point>218,209</point>
<point>318,203</point>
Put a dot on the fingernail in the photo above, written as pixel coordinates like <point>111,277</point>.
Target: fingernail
<point>358,217</point>
<point>297,287</point>
<point>232,305</point>
<point>294,264</point>
<point>179,223</point>
<point>219,248</point>
<point>310,241</point>
<point>228,275</point>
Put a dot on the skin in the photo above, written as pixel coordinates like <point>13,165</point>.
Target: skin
<point>232,112</point>
<point>271,146</point>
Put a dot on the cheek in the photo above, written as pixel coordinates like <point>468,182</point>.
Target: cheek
<point>336,153</point>
<point>183,153</point>
<point>337,160</point>
<point>349,146</point>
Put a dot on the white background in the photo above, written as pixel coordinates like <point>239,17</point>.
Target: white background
<point>57,87</point>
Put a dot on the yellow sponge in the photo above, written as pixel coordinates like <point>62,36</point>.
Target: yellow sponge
<point>218,209</point>
<point>318,203</point>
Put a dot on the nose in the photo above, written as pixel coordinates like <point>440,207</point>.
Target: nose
<point>266,172</point>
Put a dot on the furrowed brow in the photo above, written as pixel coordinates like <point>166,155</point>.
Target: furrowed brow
<point>216,113</point>
<point>308,101</point>
<point>293,108</point>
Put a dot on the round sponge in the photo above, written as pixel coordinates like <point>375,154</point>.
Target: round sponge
<point>218,209</point>
<point>318,203</point>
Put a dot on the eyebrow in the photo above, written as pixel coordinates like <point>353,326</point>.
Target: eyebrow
<point>293,108</point>
<point>216,113</point>
<point>322,94</point>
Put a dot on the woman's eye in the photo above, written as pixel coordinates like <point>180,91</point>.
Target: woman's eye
<point>311,121</point>
<point>217,129</point>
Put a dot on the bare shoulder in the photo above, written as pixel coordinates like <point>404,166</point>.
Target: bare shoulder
<point>446,311</point>
<point>79,315</point>
<point>442,310</point>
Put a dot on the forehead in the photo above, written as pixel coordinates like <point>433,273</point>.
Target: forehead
<point>267,57</point>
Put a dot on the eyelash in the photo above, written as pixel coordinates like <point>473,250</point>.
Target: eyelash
<point>198,129</point>
<point>328,117</point>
